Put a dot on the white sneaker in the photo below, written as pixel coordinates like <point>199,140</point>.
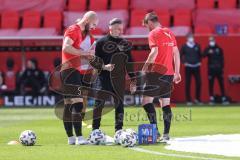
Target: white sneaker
<point>81,140</point>
<point>165,138</point>
<point>71,140</point>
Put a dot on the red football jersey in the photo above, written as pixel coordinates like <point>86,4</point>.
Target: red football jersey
<point>165,40</point>
<point>74,32</point>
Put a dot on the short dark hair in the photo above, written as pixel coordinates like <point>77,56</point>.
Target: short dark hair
<point>152,16</point>
<point>115,21</point>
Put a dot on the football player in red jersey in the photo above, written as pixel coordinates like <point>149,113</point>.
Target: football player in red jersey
<point>164,53</point>
<point>77,43</point>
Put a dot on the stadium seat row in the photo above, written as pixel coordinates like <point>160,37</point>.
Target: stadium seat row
<point>181,17</point>
<point>96,5</point>
<point>201,20</point>
<point>31,19</point>
<point>82,5</point>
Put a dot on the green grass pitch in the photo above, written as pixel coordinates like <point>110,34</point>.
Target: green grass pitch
<point>52,141</point>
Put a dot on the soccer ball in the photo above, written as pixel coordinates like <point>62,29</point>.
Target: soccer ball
<point>134,133</point>
<point>97,137</point>
<point>27,138</point>
<point>117,136</point>
<point>128,140</point>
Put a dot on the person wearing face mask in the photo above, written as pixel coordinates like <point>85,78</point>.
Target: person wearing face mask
<point>191,57</point>
<point>115,52</point>
<point>215,69</point>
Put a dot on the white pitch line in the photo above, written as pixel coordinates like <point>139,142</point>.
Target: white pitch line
<point>172,155</point>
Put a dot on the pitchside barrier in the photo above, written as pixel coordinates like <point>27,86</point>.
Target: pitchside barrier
<point>46,49</point>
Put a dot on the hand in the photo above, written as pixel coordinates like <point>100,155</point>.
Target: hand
<point>92,52</point>
<point>177,78</point>
<point>133,87</point>
<point>108,67</point>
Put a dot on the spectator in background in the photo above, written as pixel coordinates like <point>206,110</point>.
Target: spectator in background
<point>55,82</point>
<point>191,57</point>
<point>2,86</point>
<point>215,69</point>
<point>32,81</point>
<point>10,77</point>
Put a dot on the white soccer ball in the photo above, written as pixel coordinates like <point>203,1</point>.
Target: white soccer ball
<point>133,132</point>
<point>128,140</point>
<point>27,138</point>
<point>117,136</point>
<point>97,137</point>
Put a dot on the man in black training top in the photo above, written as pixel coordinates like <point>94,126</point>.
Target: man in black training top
<point>215,69</point>
<point>115,52</point>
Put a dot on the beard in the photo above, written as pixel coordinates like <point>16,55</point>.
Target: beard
<point>86,30</point>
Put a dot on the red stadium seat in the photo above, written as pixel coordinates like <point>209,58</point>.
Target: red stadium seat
<point>182,18</point>
<point>116,5</point>
<point>238,30</point>
<point>227,4</point>
<point>31,19</point>
<point>8,32</point>
<point>77,5</point>
<point>53,19</point>
<point>203,29</point>
<point>162,4</point>
<point>97,5</point>
<point>164,17</point>
<point>137,31</point>
<point>205,4</point>
<point>137,17</point>
<point>104,18</point>
<point>30,32</point>
<point>213,18</point>
<point>10,20</point>
<point>97,31</point>
<point>182,4</point>
<point>232,30</point>
<point>181,31</point>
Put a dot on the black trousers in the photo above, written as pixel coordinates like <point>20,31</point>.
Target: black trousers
<point>195,72</point>
<point>216,74</point>
<point>106,85</point>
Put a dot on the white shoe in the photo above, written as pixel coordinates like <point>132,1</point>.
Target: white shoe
<point>165,138</point>
<point>81,140</point>
<point>71,140</point>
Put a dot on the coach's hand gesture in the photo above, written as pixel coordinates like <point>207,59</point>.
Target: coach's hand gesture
<point>108,67</point>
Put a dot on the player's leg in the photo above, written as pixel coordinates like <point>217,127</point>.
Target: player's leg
<point>77,107</point>
<point>97,114</point>
<point>221,85</point>
<point>198,84</point>
<point>73,105</point>
<point>164,100</point>
<point>119,116</point>
<point>67,121</point>
<point>86,81</point>
<point>149,108</point>
<point>211,78</point>
<point>188,85</point>
<point>167,117</point>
